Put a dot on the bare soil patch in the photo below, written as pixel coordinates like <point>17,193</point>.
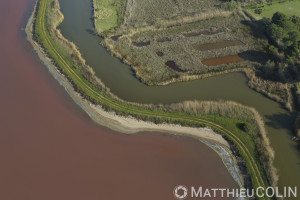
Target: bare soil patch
<point>159,53</point>
<point>222,60</point>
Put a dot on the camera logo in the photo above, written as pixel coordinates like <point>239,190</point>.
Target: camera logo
<point>180,192</point>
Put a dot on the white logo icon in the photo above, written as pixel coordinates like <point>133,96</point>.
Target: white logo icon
<point>180,192</point>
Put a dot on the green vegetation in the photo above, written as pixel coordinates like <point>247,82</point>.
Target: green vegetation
<point>284,46</point>
<point>224,118</point>
<point>108,14</point>
<point>281,24</point>
<point>267,9</point>
<point>154,33</point>
<point>160,40</point>
<point>180,44</point>
<point>141,13</point>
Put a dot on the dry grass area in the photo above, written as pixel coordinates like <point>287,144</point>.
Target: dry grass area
<point>154,12</point>
<point>280,92</point>
<point>155,33</point>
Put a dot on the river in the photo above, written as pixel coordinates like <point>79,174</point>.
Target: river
<point>78,27</point>
<point>50,149</point>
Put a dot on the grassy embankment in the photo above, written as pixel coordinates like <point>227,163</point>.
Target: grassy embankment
<point>250,143</point>
<point>268,9</point>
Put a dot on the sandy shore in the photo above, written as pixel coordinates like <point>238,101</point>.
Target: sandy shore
<point>130,125</point>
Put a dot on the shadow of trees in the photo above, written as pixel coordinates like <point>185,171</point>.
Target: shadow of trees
<point>282,121</point>
<point>255,56</point>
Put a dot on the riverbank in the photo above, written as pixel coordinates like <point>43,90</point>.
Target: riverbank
<point>277,91</point>
<point>161,36</point>
<point>50,149</point>
<point>152,113</point>
<point>130,125</point>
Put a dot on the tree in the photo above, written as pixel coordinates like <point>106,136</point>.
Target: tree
<point>276,32</point>
<point>279,19</point>
<point>258,11</point>
<point>273,50</point>
<point>296,21</point>
<point>294,36</point>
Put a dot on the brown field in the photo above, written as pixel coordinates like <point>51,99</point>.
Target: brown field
<point>222,60</point>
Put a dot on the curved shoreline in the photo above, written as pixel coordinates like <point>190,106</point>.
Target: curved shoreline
<point>129,125</point>
<point>282,91</point>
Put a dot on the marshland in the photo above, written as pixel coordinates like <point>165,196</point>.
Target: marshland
<point>185,33</point>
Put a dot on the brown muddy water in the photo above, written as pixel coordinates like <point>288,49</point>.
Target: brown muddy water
<point>222,60</point>
<point>172,65</point>
<point>122,82</point>
<point>50,149</point>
